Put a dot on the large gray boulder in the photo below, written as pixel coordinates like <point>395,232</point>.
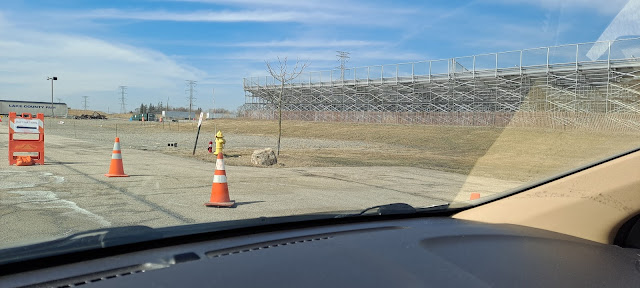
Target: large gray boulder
<point>264,157</point>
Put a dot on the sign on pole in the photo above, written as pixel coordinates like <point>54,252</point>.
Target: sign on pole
<point>200,121</point>
<point>198,134</point>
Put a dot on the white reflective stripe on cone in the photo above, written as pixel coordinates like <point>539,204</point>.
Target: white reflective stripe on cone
<point>219,179</point>
<point>116,146</point>
<point>116,156</point>
<point>220,164</point>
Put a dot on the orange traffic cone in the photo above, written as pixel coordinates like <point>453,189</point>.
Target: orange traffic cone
<point>116,169</point>
<point>219,189</point>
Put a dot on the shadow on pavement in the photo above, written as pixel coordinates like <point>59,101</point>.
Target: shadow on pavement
<point>246,203</point>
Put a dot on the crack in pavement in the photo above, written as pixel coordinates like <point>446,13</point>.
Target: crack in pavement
<point>124,191</point>
<point>309,174</point>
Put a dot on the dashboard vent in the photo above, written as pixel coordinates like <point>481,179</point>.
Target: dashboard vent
<point>291,241</point>
<point>99,276</point>
<point>263,246</point>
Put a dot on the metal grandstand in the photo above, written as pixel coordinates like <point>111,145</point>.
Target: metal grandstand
<point>549,86</point>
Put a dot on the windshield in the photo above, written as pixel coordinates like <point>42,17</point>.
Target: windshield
<point>171,113</point>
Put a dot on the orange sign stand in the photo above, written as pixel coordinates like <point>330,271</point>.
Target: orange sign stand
<point>26,124</point>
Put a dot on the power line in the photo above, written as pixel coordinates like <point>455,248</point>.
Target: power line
<point>343,57</point>
<point>123,91</point>
<point>192,84</point>
<point>85,102</point>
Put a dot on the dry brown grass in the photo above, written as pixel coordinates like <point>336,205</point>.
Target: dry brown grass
<point>120,116</point>
<point>507,153</point>
<point>527,154</point>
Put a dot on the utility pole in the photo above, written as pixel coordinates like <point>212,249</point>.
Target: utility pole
<point>343,57</point>
<point>191,90</point>
<point>85,102</point>
<point>52,79</point>
<point>123,91</point>
<point>215,125</point>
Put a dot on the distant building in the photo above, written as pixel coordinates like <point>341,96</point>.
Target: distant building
<point>179,115</point>
<point>33,107</point>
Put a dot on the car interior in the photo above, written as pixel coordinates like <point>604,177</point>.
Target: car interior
<point>578,229</point>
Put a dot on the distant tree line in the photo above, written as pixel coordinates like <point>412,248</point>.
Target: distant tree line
<point>150,108</point>
<point>221,111</point>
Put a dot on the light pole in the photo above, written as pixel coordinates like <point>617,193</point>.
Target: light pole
<point>52,79</point>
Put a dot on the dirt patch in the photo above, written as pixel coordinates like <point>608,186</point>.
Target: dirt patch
<point>78,112</point>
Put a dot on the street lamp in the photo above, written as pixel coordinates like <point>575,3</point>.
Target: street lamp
<point>52,79</point>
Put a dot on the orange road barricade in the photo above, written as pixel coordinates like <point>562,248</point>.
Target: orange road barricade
<point>26,124</point>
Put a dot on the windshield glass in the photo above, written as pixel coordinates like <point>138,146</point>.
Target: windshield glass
<point>169,113</point>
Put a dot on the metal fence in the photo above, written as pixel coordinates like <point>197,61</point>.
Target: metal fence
<point>570,56</point>
<point>555,81</point>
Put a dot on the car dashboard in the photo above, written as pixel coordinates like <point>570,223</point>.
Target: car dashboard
<point>415,252</point>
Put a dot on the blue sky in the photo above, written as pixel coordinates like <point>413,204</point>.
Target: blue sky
<point>154,46</point>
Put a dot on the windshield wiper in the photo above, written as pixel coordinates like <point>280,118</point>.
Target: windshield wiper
<point>394,209</point>
<point>93,239</point>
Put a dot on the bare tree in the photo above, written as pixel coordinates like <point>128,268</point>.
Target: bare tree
<point>283,75</point>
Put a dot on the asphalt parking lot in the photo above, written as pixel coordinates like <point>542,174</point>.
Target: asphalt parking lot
<point>70,193</point>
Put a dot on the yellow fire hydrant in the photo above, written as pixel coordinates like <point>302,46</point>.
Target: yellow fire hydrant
<point>219,142</point>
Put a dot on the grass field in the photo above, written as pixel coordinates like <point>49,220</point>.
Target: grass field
<point>510,153</point>
<point>521,154</point>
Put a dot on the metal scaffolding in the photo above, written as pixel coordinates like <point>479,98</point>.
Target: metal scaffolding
<point>565,84</point>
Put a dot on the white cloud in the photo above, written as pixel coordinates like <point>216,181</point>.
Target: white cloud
<point>526,36</point>
<point>326,4</point>
<point>84,65</point>
<point>210,16</point>
<point>310,43</point>
<point>316,55</point>
<point>293,43</point>
<point>324,60</point>
<point>351,7</point>
<point>96,67</point>
<point>600,6</point>
<point>331,12</point>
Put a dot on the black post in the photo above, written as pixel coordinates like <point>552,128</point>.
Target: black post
<point>194,146</point>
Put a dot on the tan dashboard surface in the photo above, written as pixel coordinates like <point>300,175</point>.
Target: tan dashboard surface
<point>590,204</point>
